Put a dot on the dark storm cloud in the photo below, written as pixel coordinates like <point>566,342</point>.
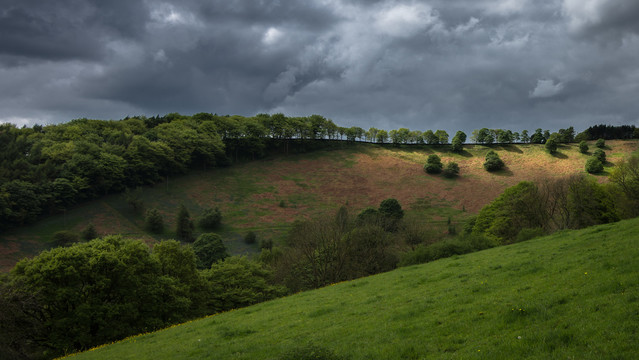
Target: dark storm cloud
<point>59,30</point>
<point>419,64</point>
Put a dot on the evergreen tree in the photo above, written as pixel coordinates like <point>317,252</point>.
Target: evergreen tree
<point>433,164</point>
<point>89,233</point>
<point>583,147</point>
<point>184,226</point>
<point>153,221</point>
<point>210,219</point>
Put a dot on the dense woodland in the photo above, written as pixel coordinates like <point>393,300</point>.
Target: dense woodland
<point>74,297</point>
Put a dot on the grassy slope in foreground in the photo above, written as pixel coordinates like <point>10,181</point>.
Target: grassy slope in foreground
<point>572,294</point>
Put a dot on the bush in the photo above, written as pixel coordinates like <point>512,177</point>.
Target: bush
<point>209,248</point>
<point>447,248</point>
<point>65,237</point>
<point>493,162</point>
<point>266,244</point>
<point>529,233</point>
<point>451,170</point>
<point>457,145</point>
<point>391,208</point>
<point>210,219</point>
<point>250,238</point>
<point>238,282</point>
<point>600,155</point>
<point>370,215</point>
<point>583,147</point>
<point>89,232</point>
<point>551,145</point>
<point>601,143</point>
<point>390,214</point>
<point>184,227</point>
<point>433,164</point>
<point>442,249</point>
<point>154,222</point>
<point>594,166</point>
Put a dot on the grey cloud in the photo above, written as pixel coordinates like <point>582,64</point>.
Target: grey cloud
<point>602,19</point>
<point>59,30</point>
<point>393,63</point>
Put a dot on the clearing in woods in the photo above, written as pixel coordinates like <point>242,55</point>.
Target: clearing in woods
<point>267,196</point>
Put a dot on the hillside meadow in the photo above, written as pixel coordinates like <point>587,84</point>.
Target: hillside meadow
<point>267,196</point>
<point>574,294</point>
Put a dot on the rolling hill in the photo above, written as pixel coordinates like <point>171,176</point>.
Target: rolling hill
<point>266,196</point>
<point>574,294</point>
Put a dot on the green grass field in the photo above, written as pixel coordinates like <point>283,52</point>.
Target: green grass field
<point>571,295</point>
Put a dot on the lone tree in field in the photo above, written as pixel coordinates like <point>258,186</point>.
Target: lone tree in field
<point>456,145</point>
<point>153,221</point>
<point>493,162</point>
<point>451,170</point>
<point>184,227</point>
<point>551,145</point>
<point>583,147</point>
<point>433,164</point>
<point>210,219</point>
<point>458,142</point>
<point>391,208</point>
<point>600,155</point>
<point>601,143</point>
<point>594,166</point>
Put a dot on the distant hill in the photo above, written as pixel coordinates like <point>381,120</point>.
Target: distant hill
<point>574,294</point>
<point>266,196</point>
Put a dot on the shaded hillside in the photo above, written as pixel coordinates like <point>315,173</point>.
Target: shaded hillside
<point>266,196</point>
<point>570,295</point>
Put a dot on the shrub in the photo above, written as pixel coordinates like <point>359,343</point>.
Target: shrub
<point>210,219</point>
<point>451,170</point>
<point>209,248</point>
<point>65,237</point>
<point>529,233</point>
<point>370,215</point>
<point>237,282</point>
<point>457,145</point>
<point>134,199</point>
<point>154,222</point>
<point>551,145</point>
<point>493,162</point>
<point>391,208</point>
<point>266,244</point>
<point>594,166</point>
<point>446,248</point>
<point>390,214</point>
<point>600,155</point>
<point>601,143</point>
<point>583,147</point>
<point>89,232</point>
<point>250,238</point>
<point>433,164</point>
<point>184,227</point>
<point>443,249</point>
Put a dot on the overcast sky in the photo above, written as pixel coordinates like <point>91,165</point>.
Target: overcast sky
<point>440,64</point>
